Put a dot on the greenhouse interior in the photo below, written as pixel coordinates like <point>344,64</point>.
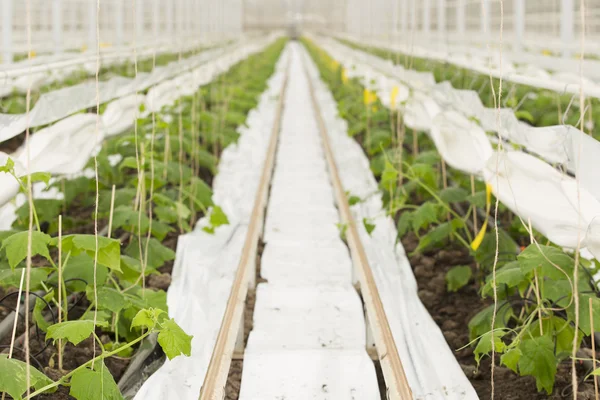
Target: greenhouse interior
<point>299,199</point>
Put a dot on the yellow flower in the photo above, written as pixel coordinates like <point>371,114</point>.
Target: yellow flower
<point>344,76</point>
<point>369,97</point>
<point>394,96</point>
<point>32,54</point>
<point>488,203</point>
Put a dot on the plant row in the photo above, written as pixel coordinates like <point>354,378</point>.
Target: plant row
<point>16,103</point>
<point>534,317</point>
<point>534,106</point>
<point>153,185</point>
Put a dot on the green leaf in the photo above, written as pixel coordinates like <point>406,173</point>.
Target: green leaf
<point>39,307</point>
<point>8,167</point>
<point>430,157</point>
<point>129,162</point>
<point>96,384</point>
<point>425,215</point>
<point>13,379</point>
<point>435,236</point>
<point>103,317</point>
<point>538,360</point>
<point>200,192</point>
<point>511,358</point>
<point>109,250</point>
<point>73,331</point>
<point>16,246</point>
<point>477,199</point>
<point>39,177</point>
<point>426,174</point>
<point>454,195</point>
<point>369,227</point>
<point>559,330</point>
<point>404,223</point>
<point>108,298</point>
<point>389,177</point>
<point>157,253</point>
<point>584,313</point>
<point>547,260</point>
<point>457,277</point>
<point>173,340</point>
<point>12,278</point>
<point>352,200</point>
<point>218,217</point>
<point>510,275</point>
<point>507,248</point>
<point>78,272</point>
<point>484,346</point>
<point>481,323</point>
<point>524,115</point>
<point>147,318</point>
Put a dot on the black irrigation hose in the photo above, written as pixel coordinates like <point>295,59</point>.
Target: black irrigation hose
<point>17,309</point>
<point>31,357</point>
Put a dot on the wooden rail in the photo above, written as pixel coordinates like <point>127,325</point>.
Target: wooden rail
<point>391,365</point>
<point>215,380</point>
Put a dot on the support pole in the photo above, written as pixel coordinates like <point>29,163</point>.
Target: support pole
<point>92,17</point>
<point>460,18</point>
<point>119,24</point>
<point>139,21</point>
<point>57,26</point>
<point>426,17</point>
<point>7,32</point>
<point>485,19</point>
<point>567,11</point>
<point>519,25</point>
<point>156,19</point>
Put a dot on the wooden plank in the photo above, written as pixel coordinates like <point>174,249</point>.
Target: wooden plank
<point>391,365</point>
<point>213,387</point>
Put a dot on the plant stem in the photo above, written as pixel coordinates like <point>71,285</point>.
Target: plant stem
<point>102,356</point>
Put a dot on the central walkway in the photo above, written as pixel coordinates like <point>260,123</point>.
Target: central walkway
<point>308,340</point>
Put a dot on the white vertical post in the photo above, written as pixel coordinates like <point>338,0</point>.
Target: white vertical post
<point>179,19</point>
<point>395,17</point>
<point>92,17</point>
<point>170,20</point>
<point>485,19</point>
<point>460,18</point>
<point>426,17</point>
<point>441,18</point>
<point>57,25</point>
<point>156,19</point>
<point>519,24</point>
<point>404,16</point>
<point>119,23</point>
<point>7,31</point>
<point>139,20</point>
<point>413,15</point>
<point>567,20</point>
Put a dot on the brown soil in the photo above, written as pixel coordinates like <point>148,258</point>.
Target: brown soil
<point>452,313</point>
<point>234,379</point>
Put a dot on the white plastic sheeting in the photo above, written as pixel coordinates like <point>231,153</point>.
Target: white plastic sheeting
<point>120,115</point>
<point>65,147</point>
<point>431,368</point>
<point>464,147</point>
<point>205,264</point>
<point>58,104</point>
<point>308,340</point>
<point>531,71</point>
